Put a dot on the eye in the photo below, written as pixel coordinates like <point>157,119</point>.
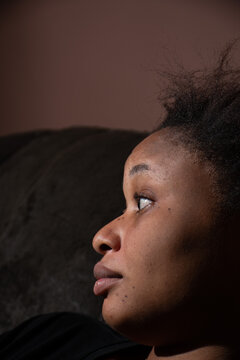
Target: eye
<point>142,201</point>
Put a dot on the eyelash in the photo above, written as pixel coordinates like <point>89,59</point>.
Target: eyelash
<point>138,197</point>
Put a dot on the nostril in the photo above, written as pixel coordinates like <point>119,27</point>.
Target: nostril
<point>105,247</point>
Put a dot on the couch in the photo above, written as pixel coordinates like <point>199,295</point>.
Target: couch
<point>57,189</point>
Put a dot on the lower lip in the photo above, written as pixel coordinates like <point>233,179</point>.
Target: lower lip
<point>103,285</point>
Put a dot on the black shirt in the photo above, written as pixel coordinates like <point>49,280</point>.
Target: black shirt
<point>64,336</point>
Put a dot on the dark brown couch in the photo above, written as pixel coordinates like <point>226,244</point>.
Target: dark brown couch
<point>57,189</point>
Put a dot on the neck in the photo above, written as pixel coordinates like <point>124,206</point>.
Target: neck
<point>209,352</point>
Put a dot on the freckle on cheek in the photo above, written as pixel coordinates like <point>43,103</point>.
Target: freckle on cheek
<point>169,209</point>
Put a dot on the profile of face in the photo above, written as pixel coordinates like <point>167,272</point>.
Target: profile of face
<point>161,273</point>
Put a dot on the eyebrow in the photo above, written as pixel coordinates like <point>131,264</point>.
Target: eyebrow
<point>139,168</point>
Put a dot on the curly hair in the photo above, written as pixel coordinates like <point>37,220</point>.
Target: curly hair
<point>205,108</point>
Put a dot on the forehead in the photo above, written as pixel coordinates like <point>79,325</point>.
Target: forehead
<point>160,149</point>
<point>163,157</point>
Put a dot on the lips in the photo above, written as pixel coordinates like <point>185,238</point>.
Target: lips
<point>106,279</point>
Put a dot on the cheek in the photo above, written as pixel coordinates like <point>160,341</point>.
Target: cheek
<point>151,233</point>
<point>166,253</point>
<point>146,252</point>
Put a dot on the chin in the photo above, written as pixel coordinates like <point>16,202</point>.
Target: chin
<point>152,328</point>
<point>126,320</point>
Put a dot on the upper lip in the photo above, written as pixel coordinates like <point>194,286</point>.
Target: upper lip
<point>100,271</point>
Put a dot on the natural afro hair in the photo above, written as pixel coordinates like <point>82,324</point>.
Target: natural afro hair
<point>205,108</point>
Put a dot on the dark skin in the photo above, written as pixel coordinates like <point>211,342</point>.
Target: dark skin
<point>177,261</point>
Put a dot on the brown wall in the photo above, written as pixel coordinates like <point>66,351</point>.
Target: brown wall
<point>87,62</point>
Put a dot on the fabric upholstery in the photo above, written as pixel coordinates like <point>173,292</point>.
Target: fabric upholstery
<point>57,189</point>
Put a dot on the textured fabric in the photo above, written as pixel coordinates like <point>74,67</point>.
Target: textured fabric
<point>57,189</point>
<point>64,336</point>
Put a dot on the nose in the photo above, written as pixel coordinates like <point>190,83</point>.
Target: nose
<point>107,238</point>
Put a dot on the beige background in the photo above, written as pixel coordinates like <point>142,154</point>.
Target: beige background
<point>90,62</point>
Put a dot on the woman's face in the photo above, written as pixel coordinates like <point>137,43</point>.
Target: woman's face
<point>158,273</point>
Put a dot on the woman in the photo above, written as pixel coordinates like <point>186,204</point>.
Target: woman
<point>170,267</point>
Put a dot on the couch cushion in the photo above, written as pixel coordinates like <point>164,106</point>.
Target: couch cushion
<point>57,189</point>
